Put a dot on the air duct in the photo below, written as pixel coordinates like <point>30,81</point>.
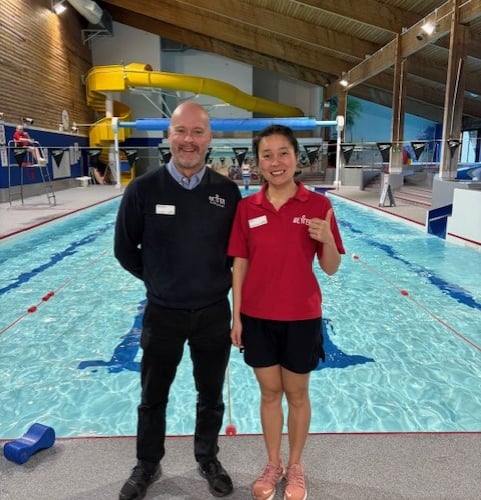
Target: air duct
<point>88,9</point>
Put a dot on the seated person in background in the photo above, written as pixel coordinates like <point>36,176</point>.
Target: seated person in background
<point>23,140</point>
<point>101,173</point>
<point>406,157</point>
<point>246,174</point>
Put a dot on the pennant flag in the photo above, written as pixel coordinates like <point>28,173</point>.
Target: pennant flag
<point>453,144</point>
<point>131,155</point>
<point>312,152</point>
<point>207,156</point>
<point>165,153</point>
<point>240,154</point>
<point>384,148</point>
<point>347,150</point>
<point>57,155</point>
<point>94,153</point>
<point>418,148</point>
<point>93,157</point>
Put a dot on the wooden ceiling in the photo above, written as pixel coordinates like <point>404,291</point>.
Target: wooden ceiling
<point>318,41</point>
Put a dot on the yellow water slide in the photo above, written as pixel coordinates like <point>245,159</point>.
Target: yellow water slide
<point>104,80</point>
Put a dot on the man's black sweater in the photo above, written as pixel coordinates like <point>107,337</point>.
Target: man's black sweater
<point>175,240</point>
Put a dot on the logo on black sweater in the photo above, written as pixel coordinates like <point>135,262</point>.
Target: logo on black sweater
<point>217,201</point>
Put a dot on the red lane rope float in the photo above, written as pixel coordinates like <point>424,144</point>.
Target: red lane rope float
<point>405,293</point>
<point>33,308</point>
<point>48,296</point>
<point>30,310</point>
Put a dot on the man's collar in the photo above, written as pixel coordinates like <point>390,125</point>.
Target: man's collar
<point>188,182</point>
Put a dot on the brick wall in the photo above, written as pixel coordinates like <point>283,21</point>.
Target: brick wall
<point>42,61</point>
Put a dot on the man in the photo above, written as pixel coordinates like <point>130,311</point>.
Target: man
<point>23,140</point>
<point>172,232</point>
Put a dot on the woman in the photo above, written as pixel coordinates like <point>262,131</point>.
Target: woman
<point>277,300</point>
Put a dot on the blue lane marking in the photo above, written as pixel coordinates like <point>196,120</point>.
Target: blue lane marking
<point>455,292</point>
<point>56,258</point>
<point>335,358</point>
<point>123,357</point>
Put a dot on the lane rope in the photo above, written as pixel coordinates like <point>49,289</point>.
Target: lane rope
<point>408,296</point>
<point>33,308</point>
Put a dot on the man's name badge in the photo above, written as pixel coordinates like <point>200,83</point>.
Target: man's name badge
<point>165,209</point>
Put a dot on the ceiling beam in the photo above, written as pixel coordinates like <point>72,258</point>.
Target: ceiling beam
<point>286,44</point>
<point>271,21</point>
<point>412,106</point>
<point>411,42</point>
<point>420,99</point>
<point>368,12</point>
<point>327,66</point>
<point>245,36</point>
<point>219,47</point>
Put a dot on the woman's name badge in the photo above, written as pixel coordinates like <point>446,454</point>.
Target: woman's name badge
<point>165,209</point>
<point>257,221</point>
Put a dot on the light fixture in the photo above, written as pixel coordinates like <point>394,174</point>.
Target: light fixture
<point>74,129</point>
<point>27,120</point>
<point>1,115</point>
<point>58,6</point>
<point>429,27</point>
<point>344,82</point>
<point>88,9</point>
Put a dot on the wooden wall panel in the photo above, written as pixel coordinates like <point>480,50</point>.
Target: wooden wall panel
<point>42,63</point>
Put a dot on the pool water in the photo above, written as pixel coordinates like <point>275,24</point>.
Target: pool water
<point>401,319</point>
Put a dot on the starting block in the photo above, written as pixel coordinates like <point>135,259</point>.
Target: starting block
<point>38,437</point>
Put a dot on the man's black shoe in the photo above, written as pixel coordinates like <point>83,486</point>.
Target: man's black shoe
<point>141,478</point>
<point>220,484</point>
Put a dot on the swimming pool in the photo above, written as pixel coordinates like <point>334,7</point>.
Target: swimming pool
<point>402,323</point>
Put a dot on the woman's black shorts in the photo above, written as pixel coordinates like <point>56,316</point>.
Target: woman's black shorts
<point>295,345</point>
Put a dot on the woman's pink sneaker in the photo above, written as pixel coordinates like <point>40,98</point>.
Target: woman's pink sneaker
<point>295,483</point>
<point>264,488</point>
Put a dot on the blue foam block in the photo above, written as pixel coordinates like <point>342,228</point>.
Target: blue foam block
<point>38,437</point>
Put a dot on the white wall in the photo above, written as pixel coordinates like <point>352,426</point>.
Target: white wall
<point>275,87</point>
<point>125,46</point>
<point>461,226</point>
<point>196,63</point>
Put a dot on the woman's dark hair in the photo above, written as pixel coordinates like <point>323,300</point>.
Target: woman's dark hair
<point>275,130</point>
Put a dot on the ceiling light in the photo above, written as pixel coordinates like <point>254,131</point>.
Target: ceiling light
<point>429,27</point>
<point>59,7</point>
